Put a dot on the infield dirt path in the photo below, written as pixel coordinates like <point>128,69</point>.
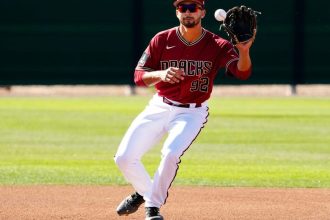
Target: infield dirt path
<point>202,203</point>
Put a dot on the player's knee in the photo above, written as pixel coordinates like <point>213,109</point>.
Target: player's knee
<point>122,161</point>
<point>172,156</point>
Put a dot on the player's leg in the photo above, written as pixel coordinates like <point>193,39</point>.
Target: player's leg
<point>143,133</point>
<point>183,130</point>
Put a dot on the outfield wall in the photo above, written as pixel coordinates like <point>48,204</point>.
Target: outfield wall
<point>99,42</point>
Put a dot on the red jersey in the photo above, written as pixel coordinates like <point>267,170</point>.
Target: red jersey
<point>200,60</point>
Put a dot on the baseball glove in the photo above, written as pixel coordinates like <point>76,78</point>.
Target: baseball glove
<point>240,24</point>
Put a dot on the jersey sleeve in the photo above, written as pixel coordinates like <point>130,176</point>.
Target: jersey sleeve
<point>149,60</point>
<point>229,60</point>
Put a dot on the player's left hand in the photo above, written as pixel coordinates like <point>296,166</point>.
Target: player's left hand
<point>245,46</point>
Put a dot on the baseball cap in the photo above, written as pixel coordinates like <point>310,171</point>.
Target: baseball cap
<point>200,2</point>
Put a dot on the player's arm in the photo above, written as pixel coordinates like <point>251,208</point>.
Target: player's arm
<point>244,63</point>
<point>171,75</point>
<point>146,73</point>
<point>239,64</point>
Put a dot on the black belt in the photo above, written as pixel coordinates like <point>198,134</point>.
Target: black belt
<point>197,105</point>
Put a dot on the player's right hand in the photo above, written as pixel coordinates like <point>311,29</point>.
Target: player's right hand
<point>172,75</point>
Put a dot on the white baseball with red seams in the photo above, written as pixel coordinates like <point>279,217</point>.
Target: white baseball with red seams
<point>220,14</point>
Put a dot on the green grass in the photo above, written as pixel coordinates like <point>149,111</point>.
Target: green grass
<point>262,142</point>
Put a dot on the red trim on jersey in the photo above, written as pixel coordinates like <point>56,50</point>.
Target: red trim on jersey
<point>233,70</point>
<point>138,78</point>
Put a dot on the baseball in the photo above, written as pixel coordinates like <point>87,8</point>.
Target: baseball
<point>220,14</point>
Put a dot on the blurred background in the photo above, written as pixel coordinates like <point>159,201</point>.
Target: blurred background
<point>99,42</point>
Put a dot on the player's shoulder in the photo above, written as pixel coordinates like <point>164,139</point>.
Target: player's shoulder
<point>216,39</point>
<point>162,36</point>
<point>165,33</point>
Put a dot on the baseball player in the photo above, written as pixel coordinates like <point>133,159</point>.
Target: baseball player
<point>182,63</point>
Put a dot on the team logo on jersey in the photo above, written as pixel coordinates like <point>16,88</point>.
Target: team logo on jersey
<point>190,67</point>
<point>143,59</point>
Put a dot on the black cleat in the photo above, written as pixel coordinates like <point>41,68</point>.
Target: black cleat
<point>130,204</point>
<point>152,213</point>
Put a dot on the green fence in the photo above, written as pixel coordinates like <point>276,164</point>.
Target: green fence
<point>99,42</point>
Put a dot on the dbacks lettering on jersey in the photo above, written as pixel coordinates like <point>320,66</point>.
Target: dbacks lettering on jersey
<point>190,67</point>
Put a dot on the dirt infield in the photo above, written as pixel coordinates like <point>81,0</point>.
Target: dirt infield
<point>202,203</point>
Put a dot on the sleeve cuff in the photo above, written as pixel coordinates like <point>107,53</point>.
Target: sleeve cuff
<point>138,78</point>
